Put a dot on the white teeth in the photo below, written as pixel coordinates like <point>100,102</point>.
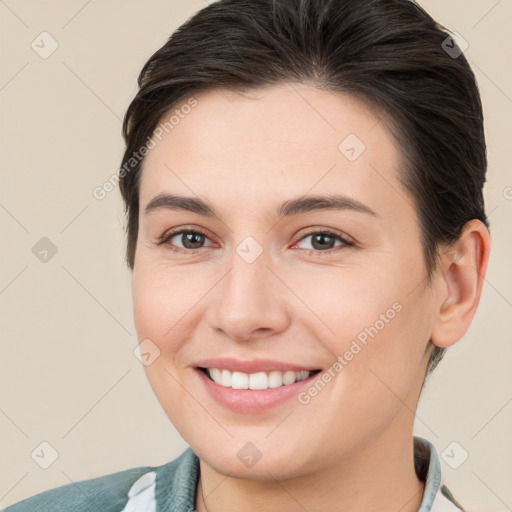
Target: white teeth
<point>289,378</point>
<point>215,374</point>
<point>225,378</point>
<point>260,380</point>
<point>275,379</point>
<point>239,380</point>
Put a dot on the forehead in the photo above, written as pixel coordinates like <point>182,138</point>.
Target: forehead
<point>279,141</point>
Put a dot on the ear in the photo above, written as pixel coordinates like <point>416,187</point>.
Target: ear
<point>461,276</point>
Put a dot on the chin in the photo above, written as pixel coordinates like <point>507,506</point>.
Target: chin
<point>253,461</point>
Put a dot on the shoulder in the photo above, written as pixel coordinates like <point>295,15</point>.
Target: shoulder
<point>108,493</point>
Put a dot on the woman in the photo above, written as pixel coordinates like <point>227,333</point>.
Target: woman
<point>307,235</point>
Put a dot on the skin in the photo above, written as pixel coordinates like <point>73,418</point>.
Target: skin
<point>350,447</point>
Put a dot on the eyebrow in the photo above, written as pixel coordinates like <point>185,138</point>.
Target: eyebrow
<point>288,208</point>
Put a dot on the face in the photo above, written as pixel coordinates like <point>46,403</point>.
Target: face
<point>250,277</point>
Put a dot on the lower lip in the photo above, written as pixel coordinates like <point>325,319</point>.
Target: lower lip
<point>252,401</point>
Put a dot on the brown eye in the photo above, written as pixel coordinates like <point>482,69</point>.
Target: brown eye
<point>191,240</point>
<point>323,241</point>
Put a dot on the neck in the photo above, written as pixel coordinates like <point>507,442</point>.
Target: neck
<point>380,475</point>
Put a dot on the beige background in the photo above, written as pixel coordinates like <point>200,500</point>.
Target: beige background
<point>68,374</point>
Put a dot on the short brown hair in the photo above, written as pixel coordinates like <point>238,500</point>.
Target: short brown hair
<point>390,53</point>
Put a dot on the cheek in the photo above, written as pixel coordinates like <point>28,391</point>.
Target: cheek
<point>159,305</point>
<point>375,327</point>
<point>350,304</point>
<point>389,364</point>
<point>161,299</point>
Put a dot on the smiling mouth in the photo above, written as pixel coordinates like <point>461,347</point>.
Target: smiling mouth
<point>256,381</point>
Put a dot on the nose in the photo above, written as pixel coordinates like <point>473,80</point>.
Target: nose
<point>250,303</point>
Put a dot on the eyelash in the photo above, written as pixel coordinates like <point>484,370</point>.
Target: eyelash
<point>165,239</point>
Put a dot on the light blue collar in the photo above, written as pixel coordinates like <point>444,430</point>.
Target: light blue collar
<point>433,480</point>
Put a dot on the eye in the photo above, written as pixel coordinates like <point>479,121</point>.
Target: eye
<point>322,242</point>
<point>191,240</point>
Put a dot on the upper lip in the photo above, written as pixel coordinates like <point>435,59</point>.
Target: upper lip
<point>253,366</point>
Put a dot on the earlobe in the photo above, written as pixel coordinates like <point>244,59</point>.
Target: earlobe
<point>461,277</point>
